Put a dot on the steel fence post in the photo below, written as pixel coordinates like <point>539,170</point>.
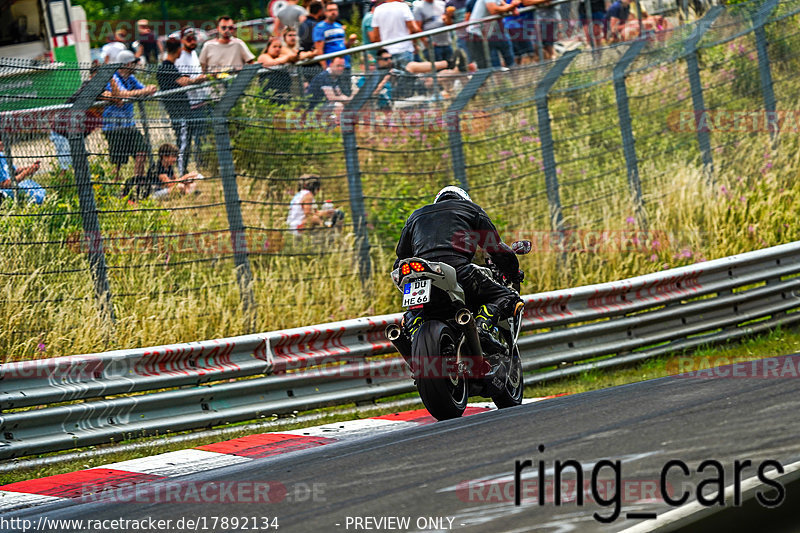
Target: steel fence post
<point>350,144</point>
<point>767,89</point>
<point>703,137</point>
<point>626,129</point>
<point>548,148</point>
<point>453,122</point>
<point>244,274</point>
<point>92,234</point>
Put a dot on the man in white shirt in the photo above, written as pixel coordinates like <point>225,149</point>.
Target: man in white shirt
<point>200,117</point>
<point>226,52</point>
<point>392,20</point>
<point>111,50</point>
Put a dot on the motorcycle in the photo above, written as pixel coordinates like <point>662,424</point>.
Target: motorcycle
<point>439,339</point>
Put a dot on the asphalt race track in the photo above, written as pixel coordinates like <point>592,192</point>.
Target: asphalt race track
<point>431,475</point>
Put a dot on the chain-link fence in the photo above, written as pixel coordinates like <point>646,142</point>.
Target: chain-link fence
<point>266,198</point>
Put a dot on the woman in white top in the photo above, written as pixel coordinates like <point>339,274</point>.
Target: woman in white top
<point>303,212</point>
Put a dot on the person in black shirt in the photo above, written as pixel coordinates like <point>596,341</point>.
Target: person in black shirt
<point>443,231</point>
<point>160,180</point>
<point>305,34</point>
<point>149,46</point>
<point>177,104</point>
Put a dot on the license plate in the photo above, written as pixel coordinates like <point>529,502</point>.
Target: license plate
<point>417,292</point>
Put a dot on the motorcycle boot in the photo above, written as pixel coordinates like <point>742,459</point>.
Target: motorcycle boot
<point>488,332</point>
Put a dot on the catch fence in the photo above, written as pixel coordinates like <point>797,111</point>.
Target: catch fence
<point>585,142</point>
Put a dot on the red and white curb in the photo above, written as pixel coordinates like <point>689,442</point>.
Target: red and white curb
<point>35,492</point>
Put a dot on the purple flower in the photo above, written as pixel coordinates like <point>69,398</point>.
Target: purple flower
<point>751,228</point>
<point>741,49</point>
<point>742,199</point>
<point>506,153</point>
<point>559,171</point>
<point>766,155</point>
<point>653,258</point>
<point>724,189</point>
<point>445,155</point>
<point>769,165</point>
<point>630,220</point>
<point>687,253</point>
<point>526,139</point>
<point>41,347</point>
<point>532,159</point>
<point>522,122</point>
<point>656,245</point>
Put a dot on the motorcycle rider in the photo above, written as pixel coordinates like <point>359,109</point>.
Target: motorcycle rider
<point>445,231</point>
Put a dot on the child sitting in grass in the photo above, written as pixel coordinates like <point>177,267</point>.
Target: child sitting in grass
<point>160,180</point>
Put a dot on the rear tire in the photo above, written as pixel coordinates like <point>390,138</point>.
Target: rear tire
<point>515,385</point>
<point>436,346</point>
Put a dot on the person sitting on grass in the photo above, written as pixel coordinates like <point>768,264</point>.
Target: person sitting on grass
<point>21,176</point>
<point>160,180</point>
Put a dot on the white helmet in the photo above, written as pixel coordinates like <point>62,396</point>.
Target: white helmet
<point>452,189</point>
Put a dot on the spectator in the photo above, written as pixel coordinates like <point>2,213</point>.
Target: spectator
<point>594,27</point>
<point>650,23</point>
<point>63,125</point>
<point>493,32</point>
<point>616,16</point>
<point>331,87</point>
<point>383,91</point>
<point>189,64</point>
<point>303,212</point>
<point>111,50</point>
<point>519,28</point>
<point>456,11</point>
<point>226,52</point>
<point>20,175</point>
<point>291,47</point>
<point>277,81</point>
<point>548,19</point>
<point>316,13</point>
<point>119,128</point>
<point>177,104</point>
<point>291,16</point>
<point>429,15</point>
<point>329,36</point>
<point>366,24</point>
<point>393,20</point>
<point>160,180</point>
<point>150,48</point>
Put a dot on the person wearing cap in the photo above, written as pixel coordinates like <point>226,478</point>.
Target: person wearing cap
<point>111,50</point>
<point>119,127</point>
<point>149,46</point>
<point>177,104</point>
<point>188,63</point>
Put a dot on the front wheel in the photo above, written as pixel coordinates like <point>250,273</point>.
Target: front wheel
<point>515,386</point>
<point>442,387</point>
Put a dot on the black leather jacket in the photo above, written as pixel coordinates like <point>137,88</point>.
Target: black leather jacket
<point>450,231</point>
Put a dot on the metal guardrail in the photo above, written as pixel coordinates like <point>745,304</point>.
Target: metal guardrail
<point>601,326</point>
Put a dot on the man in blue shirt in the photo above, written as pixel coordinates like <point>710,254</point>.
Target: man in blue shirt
<point>329,35</point>
<point>119,128</point>
<point>616,16</point>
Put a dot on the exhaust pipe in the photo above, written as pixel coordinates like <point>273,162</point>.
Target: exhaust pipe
<point>400,341</point>
<point>465,319</point>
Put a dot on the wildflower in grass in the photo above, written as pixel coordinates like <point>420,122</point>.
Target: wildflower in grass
<point>653,258</point>
<point>532,158</point>
<point>445,155</point>
<point>742,199</point>
<point>41,347</point>
<point>655,245</point>
<point>751,56</point>
<point>506,153</point>
<point>741,48</point>
<point>523,122</point>
<point>766,155</point>
<point>630,220</point>
<point>526,139</point>
<point>751,228</point>
<point>537,140</point>
<point>559,171</point>
<point>583,171</point>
